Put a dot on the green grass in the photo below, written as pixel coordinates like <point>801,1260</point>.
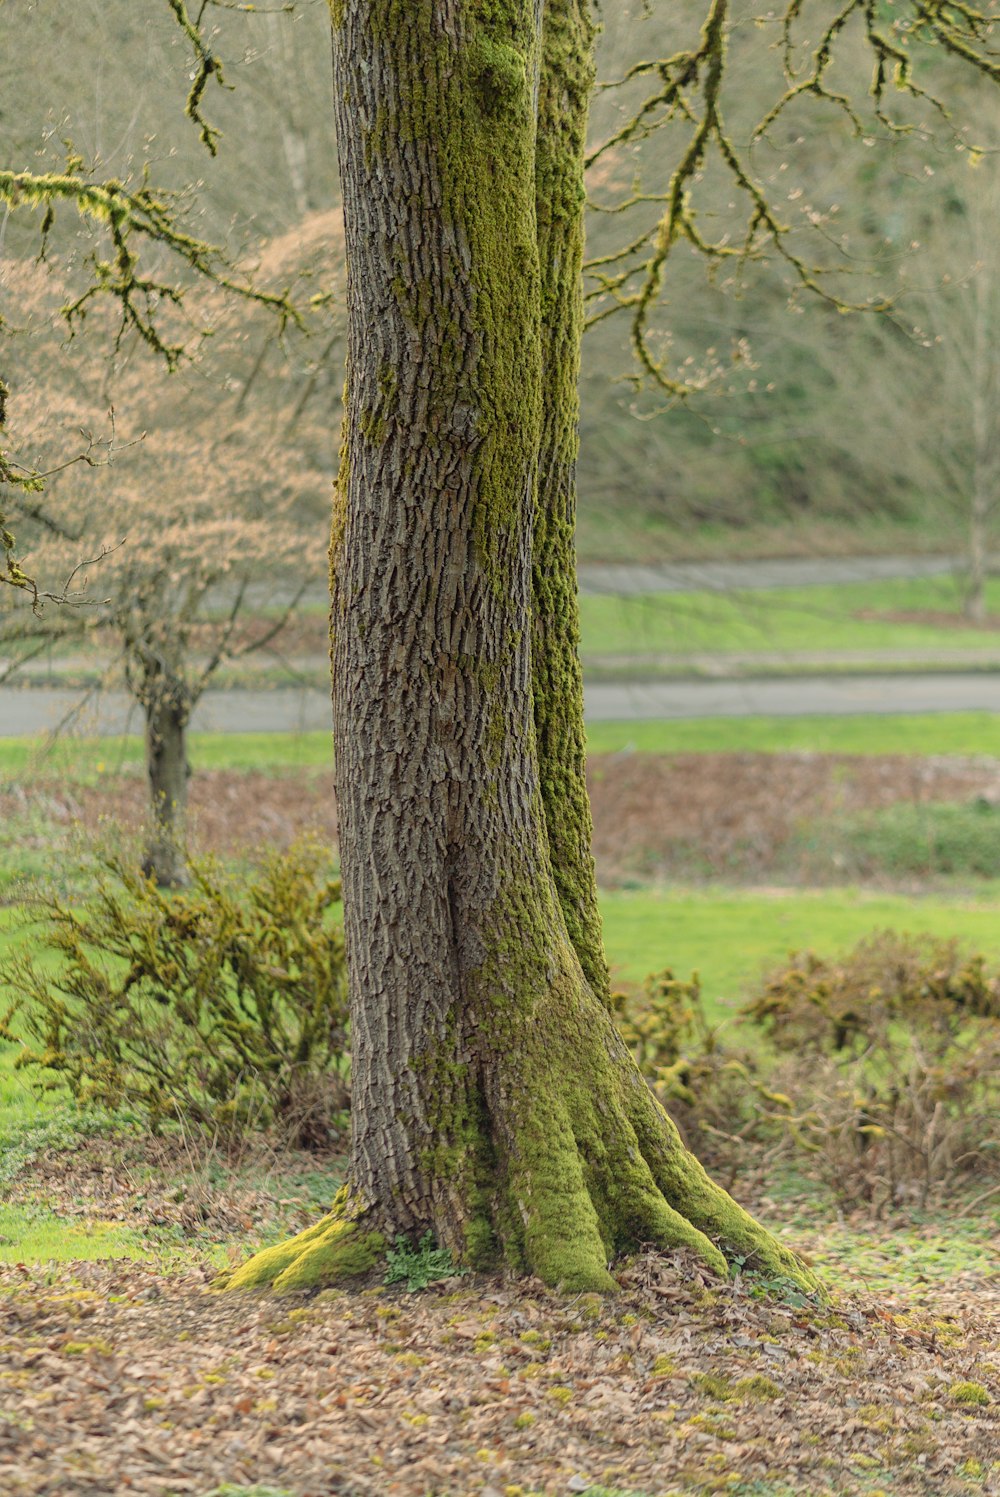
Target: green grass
<point>90,760</point>
<point>33,1234</point>
<point>908,842</point>
<point>730,936</point>
<point>919,733</point>
<point>940,1247</point>
<point>823,618</point>
<point>644,530</point>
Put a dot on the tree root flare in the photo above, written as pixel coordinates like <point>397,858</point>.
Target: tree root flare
<point>336,1247</point>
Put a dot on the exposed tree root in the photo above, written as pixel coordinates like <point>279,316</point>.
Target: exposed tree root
<point>335,1247</point>
<point>593,1197</point>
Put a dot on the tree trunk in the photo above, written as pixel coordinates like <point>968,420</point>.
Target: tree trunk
<point>975,585</point>
<point>493,1101</point>
<point>167,712</point>
<point>566,80</point>
<point>985,429</point>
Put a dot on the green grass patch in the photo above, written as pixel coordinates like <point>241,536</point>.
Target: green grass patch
<point>936,1248</point>
<point>819,618</point>
<point>908,841</point>
<point>89,760</point>
<point>961,733</point>
<point>33,1234</point>
<point>729,936</point>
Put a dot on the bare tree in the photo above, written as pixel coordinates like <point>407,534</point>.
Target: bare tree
<point>199,512</point>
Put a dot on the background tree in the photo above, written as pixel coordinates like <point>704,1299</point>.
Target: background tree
<point>198,513</point>
<point>937,405</point>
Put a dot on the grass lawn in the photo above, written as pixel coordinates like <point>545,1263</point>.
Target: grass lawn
<point>781,618</point>
<point>730,935</point>
<point>87,760</point>
<point>963,733</point>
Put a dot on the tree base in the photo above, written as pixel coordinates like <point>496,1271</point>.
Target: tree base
<point>336,1247</point>
<point>549,1168</point>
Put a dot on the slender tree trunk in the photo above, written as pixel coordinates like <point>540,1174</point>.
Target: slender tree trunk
<point>167,713</point>
<point>985,433</point>
<point>493,1101</point>
<point>975,587</point>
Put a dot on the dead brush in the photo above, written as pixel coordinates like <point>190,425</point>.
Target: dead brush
<point>878,1074</point>
<point>888,1076</point>
<point>712,1091</point>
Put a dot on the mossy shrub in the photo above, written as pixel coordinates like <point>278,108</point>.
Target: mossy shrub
<point>222,1006</point>
<point>710,1089</point>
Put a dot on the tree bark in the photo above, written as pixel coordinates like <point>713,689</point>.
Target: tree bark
<point>985,426</point>
<point>493,1101</point>
<point>167,712</point>
<point>566,80</point>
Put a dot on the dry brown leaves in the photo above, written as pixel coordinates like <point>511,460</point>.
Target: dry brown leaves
<point>734,814</point>
<point>116,1380</point>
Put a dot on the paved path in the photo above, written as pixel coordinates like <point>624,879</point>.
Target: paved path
<point>738,576</point>
<point>33,711</point>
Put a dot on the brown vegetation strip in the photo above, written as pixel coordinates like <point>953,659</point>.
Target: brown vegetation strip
<point>721,814</point>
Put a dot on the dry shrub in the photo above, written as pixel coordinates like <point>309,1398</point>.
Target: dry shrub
<point>713,1093</point>
<point>832,1007</point>
<point>888,1075</point>
<point>879,1075</point>
<point>223,1006</point>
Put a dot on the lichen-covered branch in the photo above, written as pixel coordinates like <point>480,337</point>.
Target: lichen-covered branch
<point>690,94</point>
<point>207,63</point>
<point>133,217</point>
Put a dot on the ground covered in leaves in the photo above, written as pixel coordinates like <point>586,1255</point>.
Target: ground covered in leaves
<point>116,1380</point>
<point>740,816</point>
<point>121,1378</point>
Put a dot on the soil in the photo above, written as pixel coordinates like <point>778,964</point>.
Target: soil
<point>683,815</point>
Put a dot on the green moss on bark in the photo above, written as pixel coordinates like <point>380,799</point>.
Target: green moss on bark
<point>594,1167</point>
<point>535,1140</point>
<point>566,79</point>
<point>337,1247</point>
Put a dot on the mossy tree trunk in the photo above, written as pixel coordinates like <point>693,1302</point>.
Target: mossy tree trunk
<point>493,1100</point>
<point>985,476</point>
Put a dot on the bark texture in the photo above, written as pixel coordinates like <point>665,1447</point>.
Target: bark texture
<point>985,477</point>
<point>492,1098</point>
<point>167,712</point>
<point>566,80</point>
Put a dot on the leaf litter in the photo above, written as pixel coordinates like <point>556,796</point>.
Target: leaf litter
<point>116,1378</point>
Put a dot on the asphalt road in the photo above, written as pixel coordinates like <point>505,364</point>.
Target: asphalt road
<point>738,576</point>
<point>33,711</point>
